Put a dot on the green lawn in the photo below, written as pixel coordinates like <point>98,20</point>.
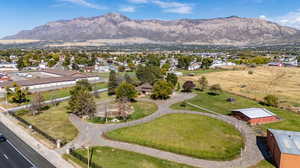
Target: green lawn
<point>188,134</point>
<point>107,157</point>
<point>54,122</point>
<point>53,94</point>
<point>263,164</point>
<point>141,110</point>
<point>291,120</point>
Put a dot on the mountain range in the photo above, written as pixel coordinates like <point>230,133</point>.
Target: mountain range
<point>116,28</point>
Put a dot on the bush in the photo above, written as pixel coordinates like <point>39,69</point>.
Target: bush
<point>250,72</point>
<point>215,89</point>
<point>188,86</point>
<point>271,100</point>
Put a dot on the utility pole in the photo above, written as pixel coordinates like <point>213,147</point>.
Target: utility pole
<point>88,149</point>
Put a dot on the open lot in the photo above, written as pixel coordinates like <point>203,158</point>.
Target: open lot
<point>54,122</point>
<point>280,81</point>
<point>290,120</point>
<point>188,134</point>
<point>115,158</point>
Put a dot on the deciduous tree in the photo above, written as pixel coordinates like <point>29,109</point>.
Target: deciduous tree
<point>126,91</point>
<point>162,90</point>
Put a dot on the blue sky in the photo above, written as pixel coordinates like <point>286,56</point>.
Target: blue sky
<point>17,15</point>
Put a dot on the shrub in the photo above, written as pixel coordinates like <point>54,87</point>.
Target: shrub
<point>215,89</point>
<point>188,86</point>
<point>271,100</point>
<point>250,72</point>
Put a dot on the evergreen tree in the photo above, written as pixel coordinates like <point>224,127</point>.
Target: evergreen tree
<point>112,83</point>
<point>82,101</point>
<point>172,79</point>
<point>128,79</point>
<point>20,63</point>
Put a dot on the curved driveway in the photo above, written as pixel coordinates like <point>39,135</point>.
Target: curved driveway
<point>92,135</point>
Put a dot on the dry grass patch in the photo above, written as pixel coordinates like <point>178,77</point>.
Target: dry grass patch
<point>282,82</point>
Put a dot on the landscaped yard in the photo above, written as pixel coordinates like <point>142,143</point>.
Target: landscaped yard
<point>188,134</point>
<point>107,157</point>
<point>291,120</point>
<point>141,110</point>
<point>54,122</point>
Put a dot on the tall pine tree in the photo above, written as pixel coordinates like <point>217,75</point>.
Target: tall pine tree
<point>112,83</point>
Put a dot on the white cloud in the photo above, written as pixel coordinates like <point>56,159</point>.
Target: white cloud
<point>174,7</point>
<point>263,17</point>
<point>85,3</point>
<point>139,1</point>
<point>168,6</point>
<point>291,19</point>
<point>130,9</point>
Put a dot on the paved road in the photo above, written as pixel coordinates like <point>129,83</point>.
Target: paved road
<point>12,158</point>
<point>21,157</point>
<point>250,155</point>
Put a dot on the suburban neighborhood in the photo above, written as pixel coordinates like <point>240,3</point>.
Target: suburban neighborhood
<point>150,84</point>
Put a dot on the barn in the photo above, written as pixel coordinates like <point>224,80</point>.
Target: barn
<point>255,116</point>
<point>284,147</point>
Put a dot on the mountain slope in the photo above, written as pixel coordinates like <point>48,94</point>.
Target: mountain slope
<point>219,31</point>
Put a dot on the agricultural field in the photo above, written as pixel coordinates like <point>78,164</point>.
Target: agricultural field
<point>189,134</point>
<point>258,82</point>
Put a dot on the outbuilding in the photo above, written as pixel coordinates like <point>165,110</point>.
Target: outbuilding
<point>255,116</point>
<point>284,146</point>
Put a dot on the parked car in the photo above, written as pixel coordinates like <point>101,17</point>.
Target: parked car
<point>2,138</point>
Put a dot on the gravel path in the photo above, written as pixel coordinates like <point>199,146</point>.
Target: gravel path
<point>92,135</point>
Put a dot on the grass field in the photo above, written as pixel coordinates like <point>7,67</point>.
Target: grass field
<point>48,95</point>
<point>291,120</point>
<point>54,122</point>
<point>107,157</point>
<point>283,82</point>
<point>188,134</point>
<point>263,164</point>
<point>141,110</point>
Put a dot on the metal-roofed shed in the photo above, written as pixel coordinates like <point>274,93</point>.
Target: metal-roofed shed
<point>255,116</point>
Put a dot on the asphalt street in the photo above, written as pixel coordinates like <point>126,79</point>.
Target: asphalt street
<point>14,153</point>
